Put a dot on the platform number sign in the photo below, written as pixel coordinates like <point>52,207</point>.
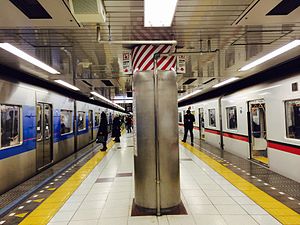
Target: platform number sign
<point>181,64</point>
<point>127,67</point>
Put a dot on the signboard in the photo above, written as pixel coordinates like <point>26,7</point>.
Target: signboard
<point>127,63</point>
<point>181,61</point>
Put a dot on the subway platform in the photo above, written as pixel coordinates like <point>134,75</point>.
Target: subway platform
<point>101,192</point>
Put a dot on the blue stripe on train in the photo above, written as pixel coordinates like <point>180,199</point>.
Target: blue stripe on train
<point>29,132</point>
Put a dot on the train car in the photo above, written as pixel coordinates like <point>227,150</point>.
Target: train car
<point>38,129</point>
<point>260,123</point>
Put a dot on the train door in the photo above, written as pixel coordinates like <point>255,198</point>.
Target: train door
<point>91,122</point>
<point>258,131</point>
<point>201,124</point>
<point>44,139</point>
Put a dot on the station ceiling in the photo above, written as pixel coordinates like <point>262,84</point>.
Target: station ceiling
<point>240,30</point>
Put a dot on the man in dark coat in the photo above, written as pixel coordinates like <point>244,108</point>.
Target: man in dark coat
<point>102,131</point>
<point>189,120</point>
<point>116,130</point>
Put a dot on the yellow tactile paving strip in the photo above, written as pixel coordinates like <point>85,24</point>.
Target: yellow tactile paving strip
<point>262,159</point>
<point>44,212</point>
<point>281,212</point>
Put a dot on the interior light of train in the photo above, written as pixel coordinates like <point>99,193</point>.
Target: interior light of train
<point>271,55</point>
<point>225,82</point>
<point>12,49</point>
<point>159,13</point>
<point>189,95</point>
<point>67,85</point>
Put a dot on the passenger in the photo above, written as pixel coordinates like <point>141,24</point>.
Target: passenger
<point>128,124</point>
<point>62,125</point>
<point>189,120</point>
<point>103,131</point>
<point>116,130</point>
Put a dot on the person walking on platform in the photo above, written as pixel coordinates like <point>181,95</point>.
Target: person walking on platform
<point>128,124</point>
<point>189,120</point>
<point>116,130</point>
<point>103,131</point>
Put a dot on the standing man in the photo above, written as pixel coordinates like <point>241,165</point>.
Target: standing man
<point>189,120</point>
<point>116,130</point>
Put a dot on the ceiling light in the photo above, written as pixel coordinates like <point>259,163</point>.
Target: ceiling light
<point>159,13</point>
<point>189,95</point>
<point>67,85</point>
<point>12,49</point>
<point>100,96</point>
<point>226,82</point>
<point>271,55</point>
<point>106,99</point>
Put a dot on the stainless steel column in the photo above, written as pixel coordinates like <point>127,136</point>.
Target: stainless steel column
<point>156,160</point>
<point>144,160</point>
<point>167,120</point>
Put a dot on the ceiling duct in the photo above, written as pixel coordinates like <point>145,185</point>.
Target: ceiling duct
<point>270,12</point>
<point>108,83</point>
<point>91,11</point>
<point>189,81</point>
<point>32,9</point>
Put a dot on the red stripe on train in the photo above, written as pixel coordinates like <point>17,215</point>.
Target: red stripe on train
<point>281,147</point>
<point>237,137</point>
<point>285,148</point>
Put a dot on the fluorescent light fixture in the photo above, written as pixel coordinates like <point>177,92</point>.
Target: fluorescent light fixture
<point>106,99</point>
<point>189,95</point>
<point>271,55</point>
<point>159,13</point>
<point>12,49</point>
<point>100,96</point>
<point>226,82</point>
<point>67,85</point>
<point>123,101</point>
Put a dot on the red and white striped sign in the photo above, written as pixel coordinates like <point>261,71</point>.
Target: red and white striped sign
<point>143,58</point>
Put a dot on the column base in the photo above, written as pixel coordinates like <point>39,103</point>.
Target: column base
<point>141,211</point>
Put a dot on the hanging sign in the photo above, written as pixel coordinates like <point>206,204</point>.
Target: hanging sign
<point>181,64</point>
<point>127,67</point>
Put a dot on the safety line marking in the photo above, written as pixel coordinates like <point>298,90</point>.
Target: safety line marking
<point>278,210</point>
<point>48,208</point>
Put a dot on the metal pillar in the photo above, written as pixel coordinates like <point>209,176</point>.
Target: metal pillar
<point>156,159</point>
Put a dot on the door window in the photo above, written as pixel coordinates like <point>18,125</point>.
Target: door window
<point>97,119</point>
<point>81,121</point>
<point>39,123</point>
<point>47,123</point>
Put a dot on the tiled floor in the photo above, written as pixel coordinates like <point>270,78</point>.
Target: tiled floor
<point>208,197</point>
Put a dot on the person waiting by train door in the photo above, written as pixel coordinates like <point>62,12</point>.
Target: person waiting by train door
<point>103,131</point>
<point>189,120</point>
<point>116,130</point>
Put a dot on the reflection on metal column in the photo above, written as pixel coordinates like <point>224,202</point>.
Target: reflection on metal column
<point>157,152</point>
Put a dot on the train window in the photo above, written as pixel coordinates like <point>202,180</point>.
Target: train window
<point>66,121</point>
<point>180,117</point>
<point>81,121</point>
<point>231,118</point>
<point>292,110</point>
<point>10,125</point>
<point>212,117</point>
<point>97,119</point>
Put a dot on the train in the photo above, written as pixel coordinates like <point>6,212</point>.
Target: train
<point>38,129</point>
<point>259,123</point>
